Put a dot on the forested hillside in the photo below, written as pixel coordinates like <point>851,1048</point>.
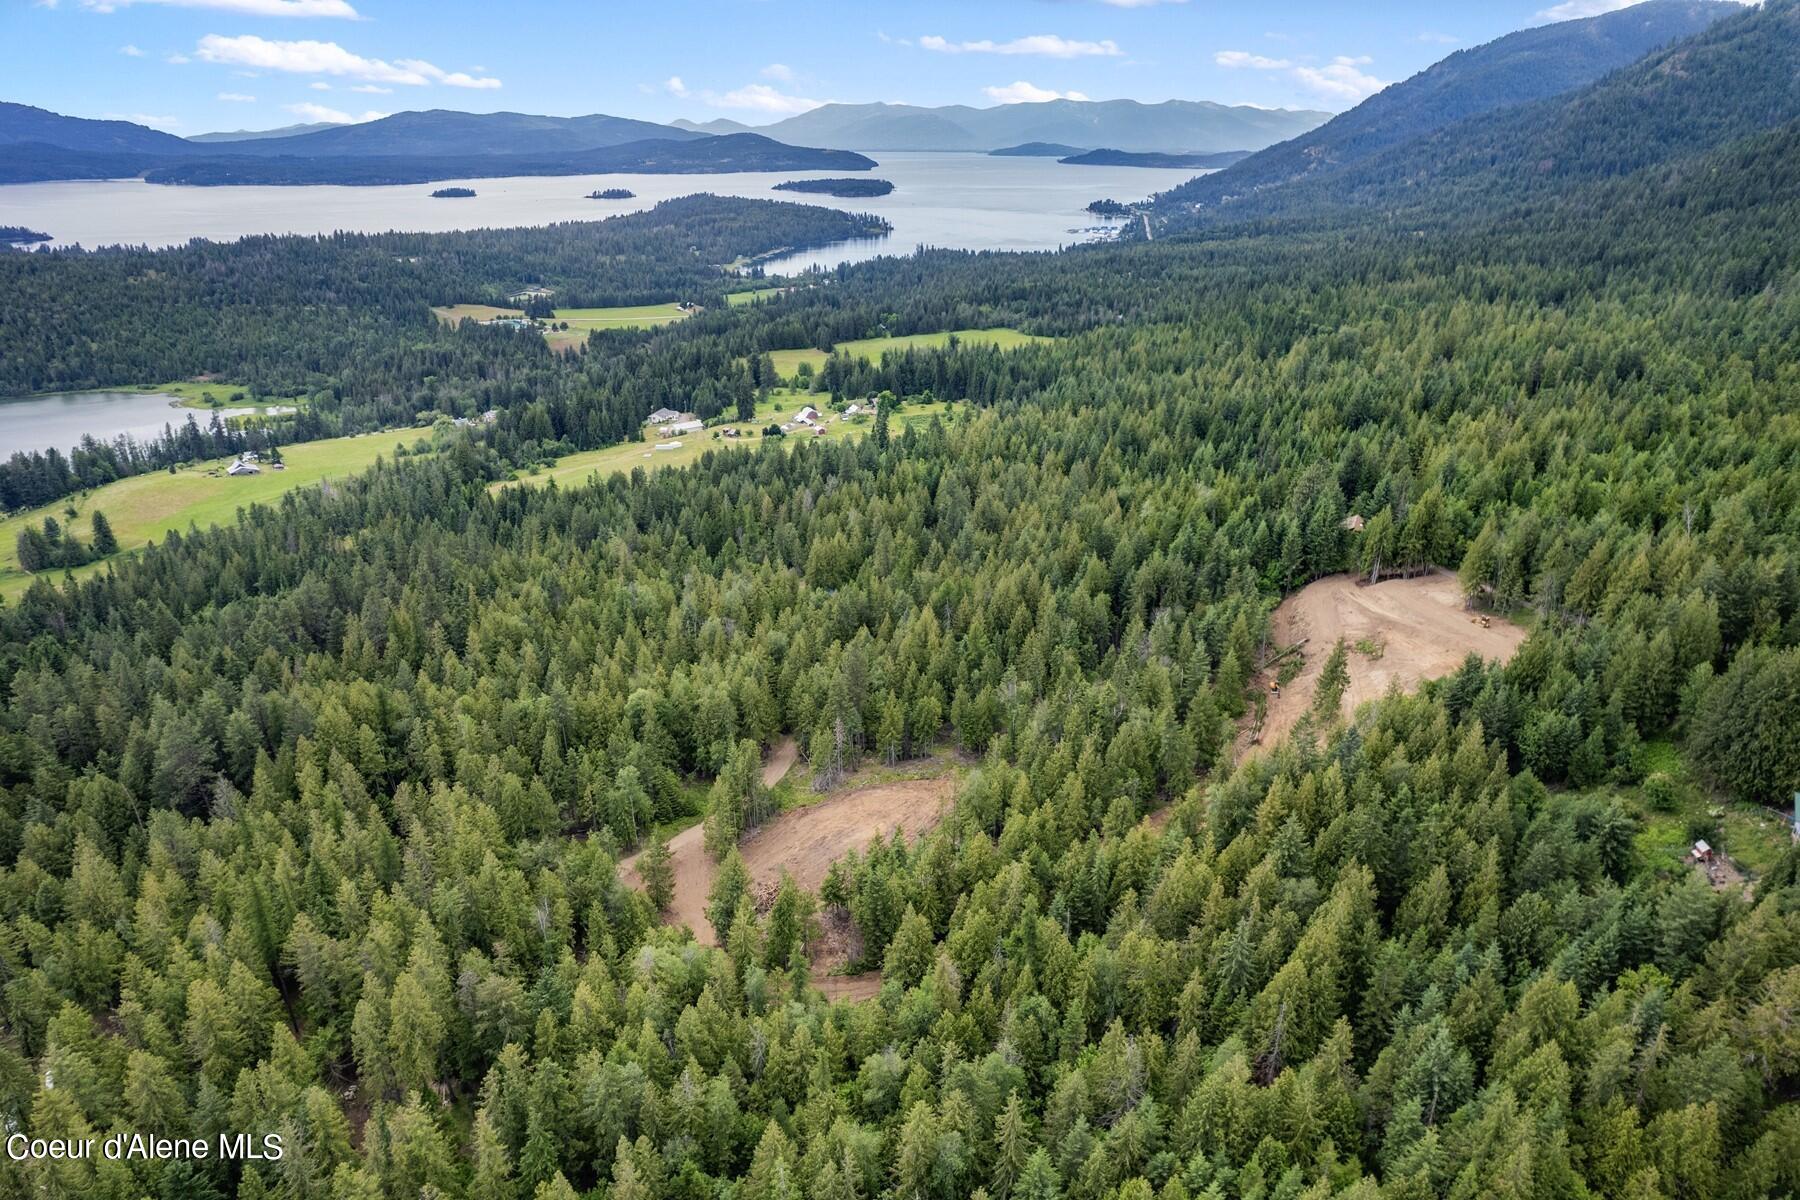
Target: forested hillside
<point>310,825</point>
<point>1733,80</point>
<point>312,822</point>
<point>1517,69</point>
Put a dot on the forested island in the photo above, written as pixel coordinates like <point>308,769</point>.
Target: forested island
<point>615,193</point>
<point>846,188</point>
<point>453,193</point>
<point>1037,150</point>
<point>931,792</point>
<point>1123,158</point>
<point>1109,208</point>
<point>18,235</point>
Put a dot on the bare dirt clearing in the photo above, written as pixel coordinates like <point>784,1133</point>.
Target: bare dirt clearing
<point>1418,628</point>
<point>804,841</point>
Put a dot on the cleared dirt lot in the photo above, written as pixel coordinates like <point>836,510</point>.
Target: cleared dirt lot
<point>803,841</point>
<point>1419,626</point>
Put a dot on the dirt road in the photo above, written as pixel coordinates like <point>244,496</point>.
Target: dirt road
<point>780,761</point>
<point>1420,627</point>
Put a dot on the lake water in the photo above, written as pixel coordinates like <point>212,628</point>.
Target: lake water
<point>949,201</point>
<point>59,422</point>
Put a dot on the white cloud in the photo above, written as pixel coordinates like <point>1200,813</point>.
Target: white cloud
<point>329,58</point>
<point>318,112</point>
<point>779,71</point>
<point>319,86</point>
<point>1439,39</point>
<point>760,97</point>
<point>1342,79</point>
<point>236,98</point>
<point>131,52</point>
<point>254,8</point>
<point>1243,58</point>
<point>373,89</point>
<point>674,86</point>
<point>1048,45</point>
<point>1021,92</point>
<point>152,121</point>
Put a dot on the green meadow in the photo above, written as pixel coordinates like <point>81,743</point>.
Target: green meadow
<point>787,362</point>
<point>573,469</point>
<point>145,508</point>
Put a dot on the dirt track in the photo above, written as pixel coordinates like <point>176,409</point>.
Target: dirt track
<point>1423,627</point>
<point>804,841</point>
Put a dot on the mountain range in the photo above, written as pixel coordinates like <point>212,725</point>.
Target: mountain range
<point>410,147</point>
<point>251,135</point>
<point>443,132</point>
<point>1384,136</point>
<point>1173,126</point>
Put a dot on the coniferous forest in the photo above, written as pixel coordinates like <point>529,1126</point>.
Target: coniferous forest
<point>311,824</point>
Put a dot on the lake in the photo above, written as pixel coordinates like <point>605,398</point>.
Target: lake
<point>948,201</point>
<point>60,421</point>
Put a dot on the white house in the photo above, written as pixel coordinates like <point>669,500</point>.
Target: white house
<point>662,416</point>
<point>240,467</point>
<point>808,414</point>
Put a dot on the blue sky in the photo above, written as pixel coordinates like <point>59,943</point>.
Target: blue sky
<point>189,66</point>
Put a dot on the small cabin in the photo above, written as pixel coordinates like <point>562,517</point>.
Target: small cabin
<point>240,467</point>
<point>1702,853</point>
<point>662,416</point>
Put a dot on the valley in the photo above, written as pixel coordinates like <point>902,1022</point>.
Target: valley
<point>1283,686</point>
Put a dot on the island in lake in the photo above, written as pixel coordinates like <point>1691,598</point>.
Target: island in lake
<point>18,235</point>
<point>613,194</point>
<point>1037,150</point>
<point>838,187</point>
<point>1128,158</point>
<point>1109,208</point>
<point>453,193</point>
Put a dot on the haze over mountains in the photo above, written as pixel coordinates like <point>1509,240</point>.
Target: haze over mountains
<point>1173,126</point>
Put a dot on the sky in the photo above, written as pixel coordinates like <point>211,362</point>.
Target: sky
<point>192,66</point>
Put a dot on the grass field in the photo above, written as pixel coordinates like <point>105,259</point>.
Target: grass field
<point>637,316</point>
<point>582,321</point>
<point>752,296</point>
<point>450,314</point>
<point>572,470</point>
<point>1753,835</point>
<point>145,508</point>
<point>871,349</point>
